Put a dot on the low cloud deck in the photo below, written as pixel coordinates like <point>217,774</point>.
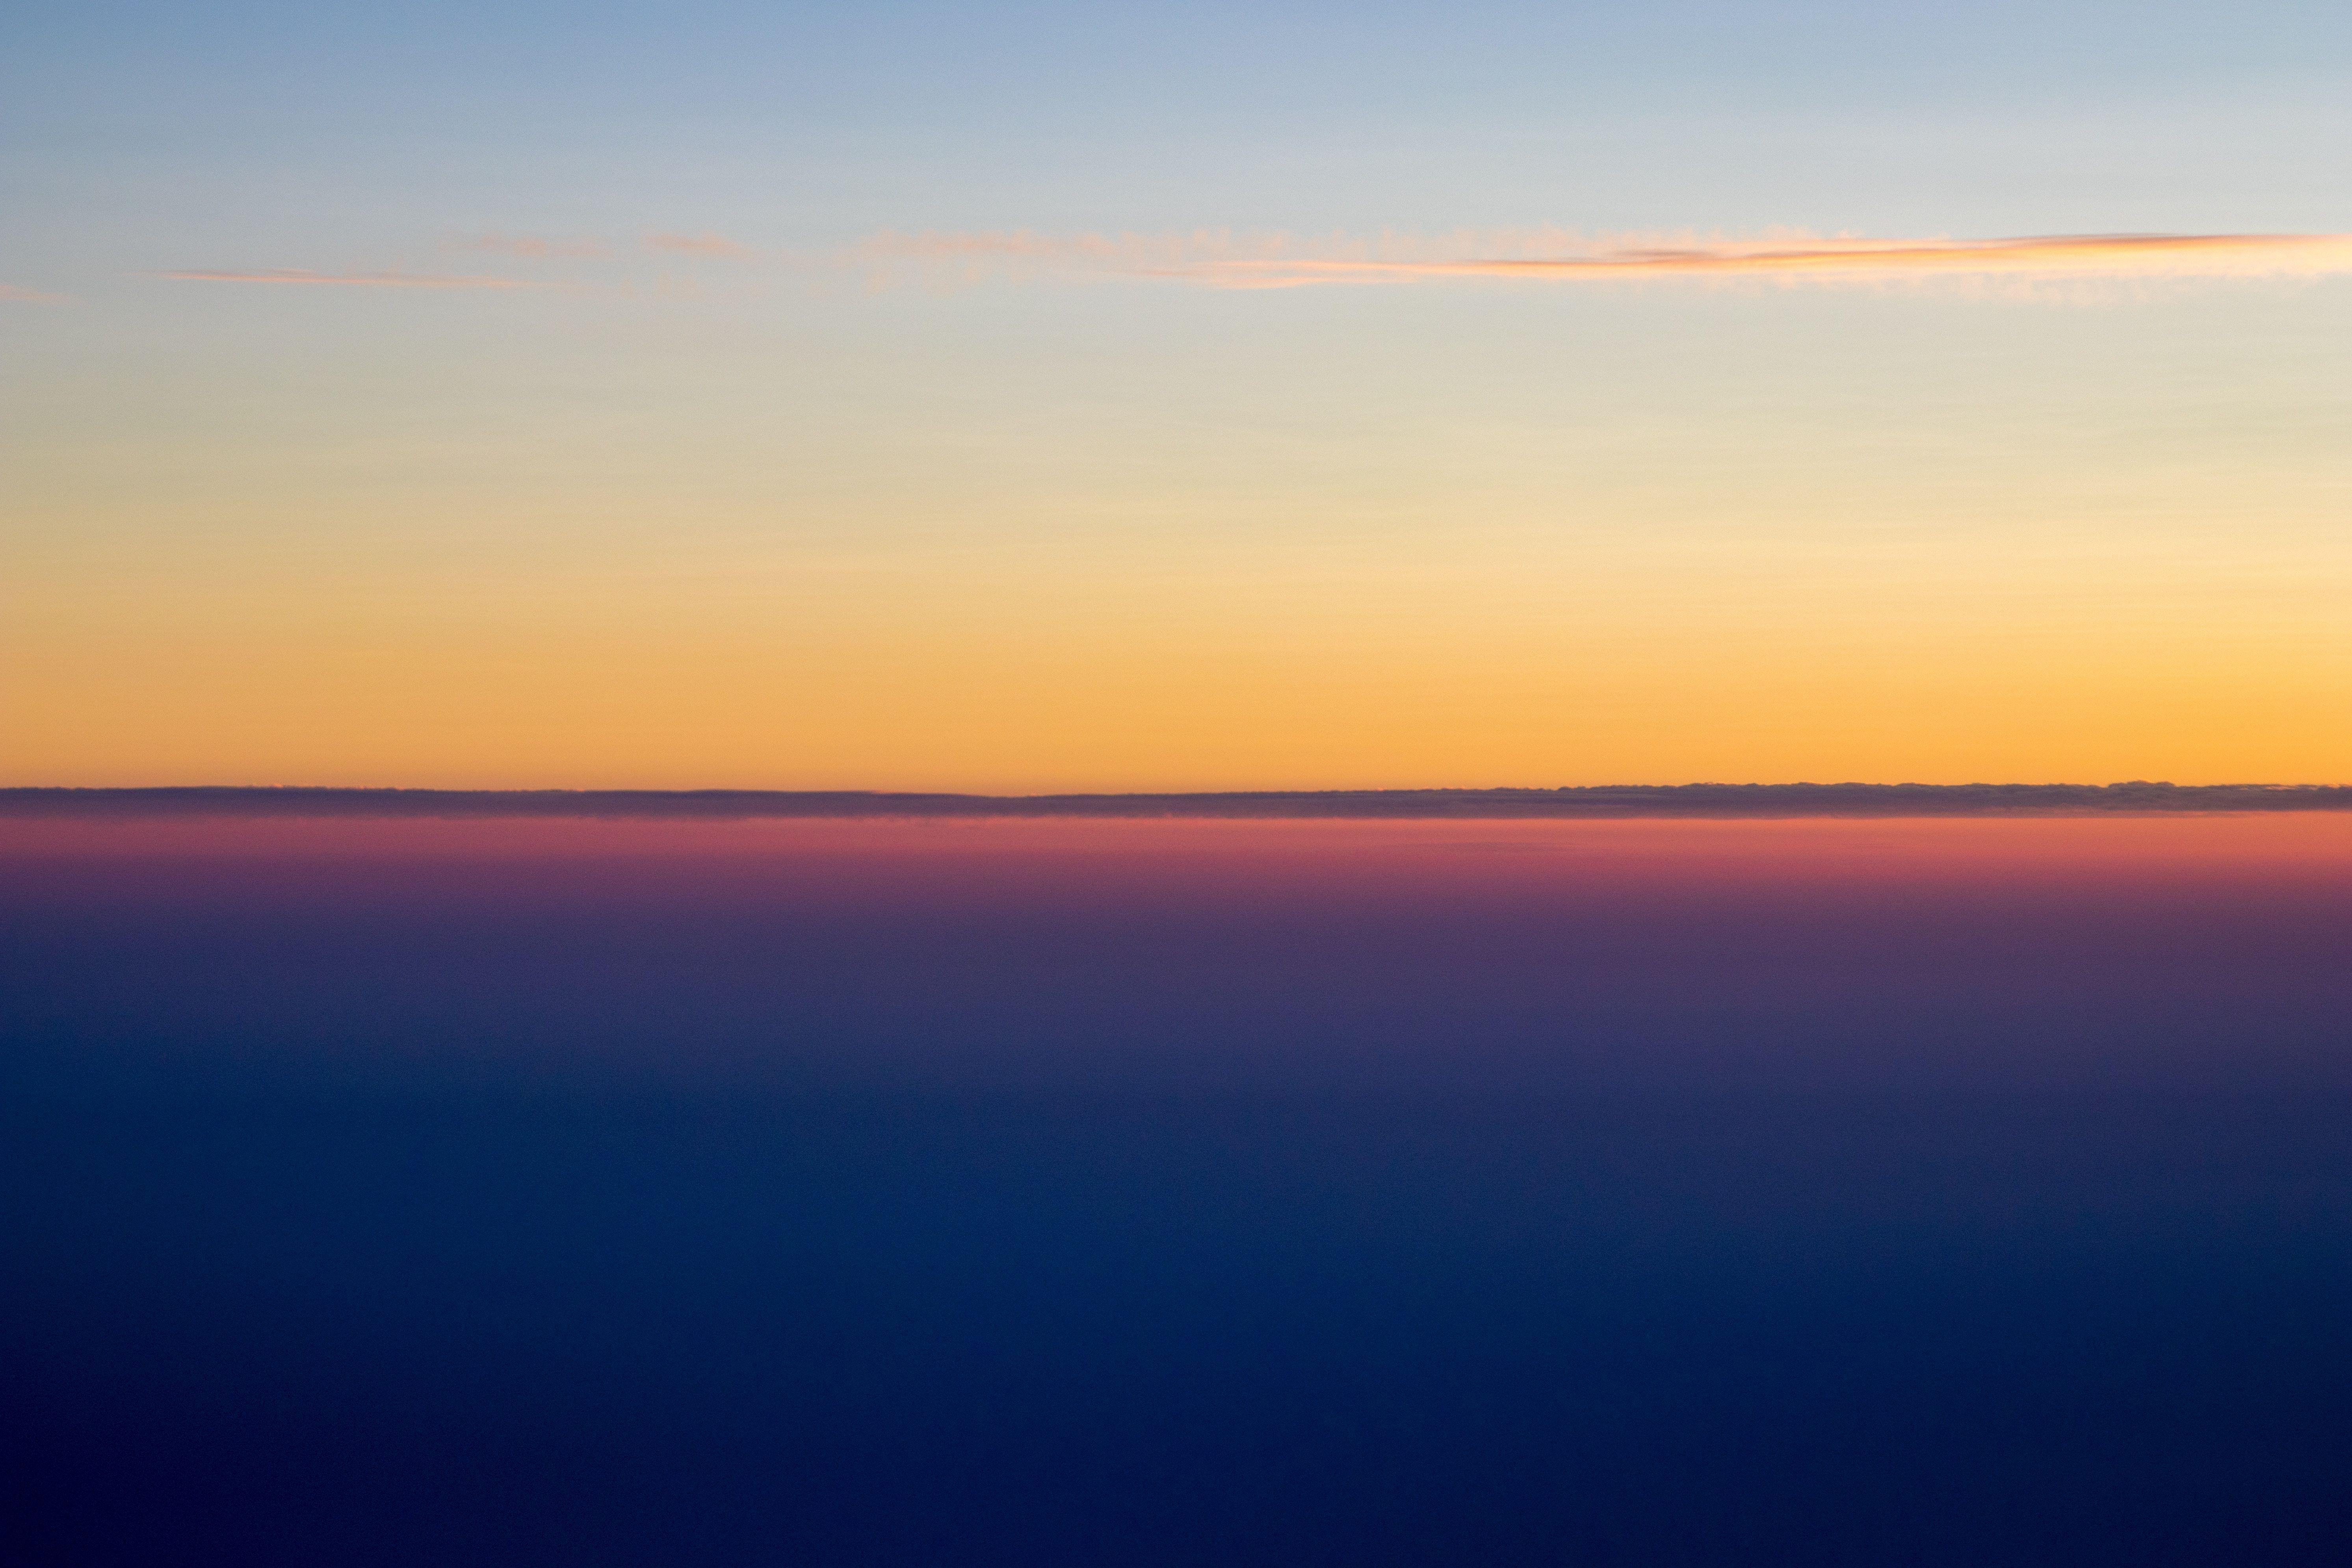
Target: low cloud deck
<point>1700,800</point>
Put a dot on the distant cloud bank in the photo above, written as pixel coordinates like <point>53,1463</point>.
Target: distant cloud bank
<point>1697,800</point>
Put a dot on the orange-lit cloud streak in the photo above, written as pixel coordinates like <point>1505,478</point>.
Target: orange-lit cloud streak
<point>353,279</point>
<point>1226,260</point>
<point>1281,262</point>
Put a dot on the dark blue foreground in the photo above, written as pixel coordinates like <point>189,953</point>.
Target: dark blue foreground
<point>461,1329</point>
<point>353,1232</point>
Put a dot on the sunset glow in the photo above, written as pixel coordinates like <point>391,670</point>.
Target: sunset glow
<point>1012,784</point>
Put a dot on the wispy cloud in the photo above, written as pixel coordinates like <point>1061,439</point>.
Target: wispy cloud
<point>696,245</point>
<point>24,296</point>
<point>1279,261</point>
<point>353,280</point>
<point>1223,259</point>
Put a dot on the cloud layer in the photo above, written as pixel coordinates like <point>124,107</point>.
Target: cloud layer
<point>1697,800</point>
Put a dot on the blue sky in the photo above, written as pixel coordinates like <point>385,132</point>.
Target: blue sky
<point>138,131</point>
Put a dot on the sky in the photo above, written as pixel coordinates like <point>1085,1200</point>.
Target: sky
<point>1042,397</point>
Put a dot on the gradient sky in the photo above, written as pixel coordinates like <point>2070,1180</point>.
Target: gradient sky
<point>804,398</point>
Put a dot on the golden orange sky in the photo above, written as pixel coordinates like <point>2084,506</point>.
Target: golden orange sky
<point>458,474</point>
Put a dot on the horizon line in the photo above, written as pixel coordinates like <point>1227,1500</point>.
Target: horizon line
<point>1707,799</point>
